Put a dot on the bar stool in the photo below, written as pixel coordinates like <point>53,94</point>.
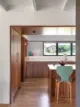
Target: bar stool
<point>64,72</point>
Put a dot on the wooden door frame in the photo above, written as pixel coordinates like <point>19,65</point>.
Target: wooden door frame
<point>22,72</point>
<point>13,26</point>
<point>10,65</point>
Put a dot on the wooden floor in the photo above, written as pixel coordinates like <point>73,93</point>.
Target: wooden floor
<point>33,93</point>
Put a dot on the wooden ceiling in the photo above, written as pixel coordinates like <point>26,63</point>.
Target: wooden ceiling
<point>32,30</point>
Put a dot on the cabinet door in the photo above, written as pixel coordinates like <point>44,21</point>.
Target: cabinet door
<point>12,60</point>
<point>23,55</point>
<point>17,53</point>
<point>15,61</point>
<point>19,58</point>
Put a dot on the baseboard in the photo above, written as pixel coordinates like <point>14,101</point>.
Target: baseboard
<point>4,105</point>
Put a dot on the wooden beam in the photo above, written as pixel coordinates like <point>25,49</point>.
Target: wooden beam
<point>34,5</point>
<point>64,4</point>
<point>3,5</point>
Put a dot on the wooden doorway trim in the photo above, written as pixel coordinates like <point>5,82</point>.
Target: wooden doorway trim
<point>19,28</point>
<point>23,41</point>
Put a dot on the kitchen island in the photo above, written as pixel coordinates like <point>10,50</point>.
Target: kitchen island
<point>64,89</point>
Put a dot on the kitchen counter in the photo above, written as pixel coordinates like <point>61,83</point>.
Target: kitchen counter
<point>54,67</point>
<point>49,58</point>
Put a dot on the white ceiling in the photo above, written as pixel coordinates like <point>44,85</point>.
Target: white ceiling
<point>38,4</point>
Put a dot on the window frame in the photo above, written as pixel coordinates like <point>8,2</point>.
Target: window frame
<point>72,48</point>
<point>56,42</point>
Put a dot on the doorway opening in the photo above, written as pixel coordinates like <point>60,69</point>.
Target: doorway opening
<point>32,49</point>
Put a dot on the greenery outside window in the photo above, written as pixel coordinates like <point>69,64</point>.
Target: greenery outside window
<point>59,49</point>
<point>64,48</point>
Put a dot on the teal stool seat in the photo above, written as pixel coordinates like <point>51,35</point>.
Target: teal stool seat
<point>64,72</point>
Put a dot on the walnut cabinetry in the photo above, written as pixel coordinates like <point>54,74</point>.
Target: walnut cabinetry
<point>15,61</point>
<point>36,70</point>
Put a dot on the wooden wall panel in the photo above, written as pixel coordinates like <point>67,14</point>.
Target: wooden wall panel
<point>15,62</point>
<point>37,70</point>
<point>24,44</point>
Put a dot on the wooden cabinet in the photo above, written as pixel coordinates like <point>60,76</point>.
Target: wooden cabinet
<point>15,61</point>
<point>37,70</point>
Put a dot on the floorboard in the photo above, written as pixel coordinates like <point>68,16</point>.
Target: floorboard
<point>33,93</point>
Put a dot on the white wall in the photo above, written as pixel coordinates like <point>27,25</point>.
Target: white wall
<point>36,48</point>
<point>23,17</point>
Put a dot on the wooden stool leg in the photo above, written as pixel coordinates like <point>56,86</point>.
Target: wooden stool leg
<point>70,88</point>
<point>70,92</point>
<point>55,88</point>
<point>58,84</point>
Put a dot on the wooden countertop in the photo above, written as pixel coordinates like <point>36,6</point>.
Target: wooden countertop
<point>53,67</point>
<point>49,58</point>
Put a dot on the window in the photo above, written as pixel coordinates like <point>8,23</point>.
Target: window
<point>64,48</point>
<point>59,31</point>
<point>59,49</point>
<point>73,32</point>
<point>64,31</point>
<point>50,31</point>
<point>49,48</point>
<point>73,48</point>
